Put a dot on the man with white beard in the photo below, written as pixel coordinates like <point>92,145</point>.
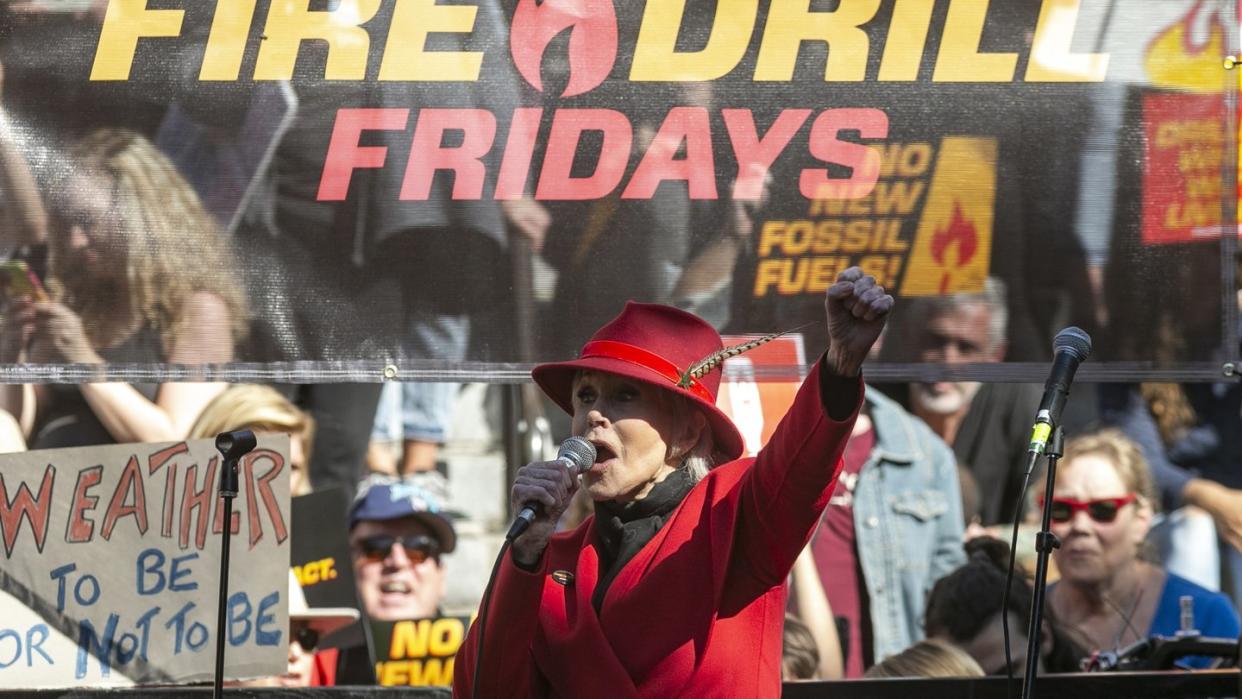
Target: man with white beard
<point>987,425</point>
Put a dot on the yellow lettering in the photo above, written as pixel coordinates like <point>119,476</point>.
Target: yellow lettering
<point>1051,59</point>
<point>824,271</point>
<point>799,238</point>
<point>290,22</point>
<point>393,673</point>
<point>960,59</point>
<point>124,23</point>
<point>857,235</point>
<point>409,639</point>
<point>791,22</point>
<point>406,56</point>
<point>907,36</point>
<point>791,284</point>
<point>768,273</point>
<point>771,236</point>
<point>915,158</point>
<point>897,197</point>
<point>230,25</point>
<point>827,236</point>
<point>859,206</point>
<point>435,673</point>
<point>892,238</point>
<point>877,266</point>
<point>446,635</point>
<point>655,54</point>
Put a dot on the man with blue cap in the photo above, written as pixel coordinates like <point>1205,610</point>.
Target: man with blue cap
<point>397,531</point>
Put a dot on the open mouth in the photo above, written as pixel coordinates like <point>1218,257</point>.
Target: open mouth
<point>603,452</point>
<point>395,587</point>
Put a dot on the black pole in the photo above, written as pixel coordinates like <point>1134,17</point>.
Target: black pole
<point>1045,542</point>
<point>232,446</point>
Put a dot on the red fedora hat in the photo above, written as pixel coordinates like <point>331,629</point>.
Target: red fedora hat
<point>657,345</point>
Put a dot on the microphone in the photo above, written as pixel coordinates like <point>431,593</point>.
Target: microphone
<point>577,455</point>
<point>1071,347</point>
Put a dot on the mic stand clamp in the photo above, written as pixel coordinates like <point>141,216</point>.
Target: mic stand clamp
<point>232,446</point>
<point>1045,542</point>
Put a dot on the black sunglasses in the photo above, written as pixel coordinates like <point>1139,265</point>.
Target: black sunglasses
<point>306,637</point>
<point>418,547</point>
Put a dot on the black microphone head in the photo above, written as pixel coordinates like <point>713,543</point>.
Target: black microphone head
<point>579,452</point>
<point>234,445</point>
<point>1074,340</point>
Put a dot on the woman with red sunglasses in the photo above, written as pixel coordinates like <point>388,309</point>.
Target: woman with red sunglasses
<point>1108,595</point>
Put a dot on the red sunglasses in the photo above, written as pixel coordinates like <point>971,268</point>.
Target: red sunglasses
<point>1103,510</point>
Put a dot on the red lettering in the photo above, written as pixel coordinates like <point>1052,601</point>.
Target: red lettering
<point>195,498</point>
<point>24,506</point>
<point>263,486</point>
<point>130,481</point>
<point>79,529</point>
<point>688,125</point>
<point>755,155</point>
<point>556,182</point>
<point>155,462</point>
<point>864,161</point>
<point>519,149</point>
<point>345,154</point>
<point>429,154</point>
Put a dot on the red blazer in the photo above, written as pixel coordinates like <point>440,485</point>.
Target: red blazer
<point>699,611</point>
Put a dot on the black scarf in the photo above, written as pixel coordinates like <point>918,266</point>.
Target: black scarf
<point>624,529</point>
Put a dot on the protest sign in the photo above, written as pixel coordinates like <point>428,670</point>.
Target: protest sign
<point>319,556</point>
<point>418,652</point>
<point>756,406</point>
<point>110,573</point>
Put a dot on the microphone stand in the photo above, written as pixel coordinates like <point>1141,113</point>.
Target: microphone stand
<point>232,446</point>
<point>1045,542</point>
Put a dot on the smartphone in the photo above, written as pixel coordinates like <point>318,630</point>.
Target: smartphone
<point>17,280</point>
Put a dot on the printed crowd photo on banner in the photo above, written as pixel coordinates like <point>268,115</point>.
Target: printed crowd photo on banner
<point>728,158</point>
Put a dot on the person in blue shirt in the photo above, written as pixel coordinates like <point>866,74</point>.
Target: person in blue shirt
<point>1108,596</point>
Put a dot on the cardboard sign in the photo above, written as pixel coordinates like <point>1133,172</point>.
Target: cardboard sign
<point>418,652</point>
<point>110,566</point>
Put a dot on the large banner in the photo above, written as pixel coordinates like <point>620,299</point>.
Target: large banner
<point>332,190</point>
<point>110,569</point>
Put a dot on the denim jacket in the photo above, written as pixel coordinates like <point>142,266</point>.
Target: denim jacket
<point>907,520</point>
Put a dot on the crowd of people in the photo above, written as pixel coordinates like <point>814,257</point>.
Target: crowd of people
<point>891,564</point>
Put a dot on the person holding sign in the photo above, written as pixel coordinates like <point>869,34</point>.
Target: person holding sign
<point>677,584</point>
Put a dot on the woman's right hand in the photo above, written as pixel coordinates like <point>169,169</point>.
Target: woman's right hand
<point>551,485</point>
<point>18,327</point>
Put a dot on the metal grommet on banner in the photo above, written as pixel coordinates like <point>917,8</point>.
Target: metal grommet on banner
<point>1229,369</point>
<point>390,372</point>
<point>1230,62</point>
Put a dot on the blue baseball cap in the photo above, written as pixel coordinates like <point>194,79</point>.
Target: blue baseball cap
<point>382,498</point>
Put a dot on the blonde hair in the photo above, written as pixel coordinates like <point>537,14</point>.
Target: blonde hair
<point>1123,454</point>
<point>259,408</point>
<point>928,658</point>
<point>170,245</point>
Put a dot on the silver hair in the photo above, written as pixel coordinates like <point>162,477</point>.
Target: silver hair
<point>993,296</point>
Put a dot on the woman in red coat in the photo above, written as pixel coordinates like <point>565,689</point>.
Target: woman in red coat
<point>676,587</point>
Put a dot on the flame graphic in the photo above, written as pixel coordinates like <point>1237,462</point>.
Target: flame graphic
<point>1181,57</point>
<point>592,41</point>
<point>961,231</point>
